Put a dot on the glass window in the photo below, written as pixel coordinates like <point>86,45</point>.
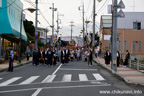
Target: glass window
<point>139,45</point>
<point>137,25</point>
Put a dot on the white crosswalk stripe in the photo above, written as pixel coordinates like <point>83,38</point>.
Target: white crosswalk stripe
<point>9,81</point>
<point>98,77</point>
<point>66,78</point>
<point>29,80</point>
<point>83,77</point>
<point>49,78</point>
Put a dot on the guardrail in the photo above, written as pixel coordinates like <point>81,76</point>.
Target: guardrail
<point>136,64</point>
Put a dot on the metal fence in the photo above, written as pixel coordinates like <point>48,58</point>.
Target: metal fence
<point>136,64</point>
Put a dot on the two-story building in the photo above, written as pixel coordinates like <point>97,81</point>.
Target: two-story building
<point>130,32</point>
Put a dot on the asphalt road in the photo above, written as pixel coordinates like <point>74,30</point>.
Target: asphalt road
<point>73,79</point>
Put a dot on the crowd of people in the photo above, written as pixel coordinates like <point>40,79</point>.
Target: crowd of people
<point>51,56</point>
<point>108,58</point>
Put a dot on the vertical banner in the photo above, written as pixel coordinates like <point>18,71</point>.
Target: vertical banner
<point>0,3</point>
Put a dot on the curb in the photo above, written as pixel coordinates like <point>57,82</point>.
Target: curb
<point>114,73</point>
<point>15,66</point>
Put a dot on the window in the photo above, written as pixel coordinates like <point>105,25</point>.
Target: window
<point>125,45</point>
<point>133,45</point>
<point>139,45</point>
<point>119,45</point>
<point>137,25</point>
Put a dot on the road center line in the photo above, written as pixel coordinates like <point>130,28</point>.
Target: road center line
<point>39,89</point>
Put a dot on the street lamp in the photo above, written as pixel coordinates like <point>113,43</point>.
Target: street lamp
<point>22,19</point>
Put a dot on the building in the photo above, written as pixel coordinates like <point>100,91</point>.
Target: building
<point>42,34</point>
<point>78,40</point>
<point>10,16</point>
<point>130,32</point>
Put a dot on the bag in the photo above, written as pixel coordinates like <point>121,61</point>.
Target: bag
<point>63,58</point>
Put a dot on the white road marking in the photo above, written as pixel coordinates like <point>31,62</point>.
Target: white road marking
<point>67,78</point>
<point>78,69</point>
<point>29,80</point>
<point>98,77</point>
<point>9,81</point>
<point>39,89</point>
<point>1,78</point>
<point>49,78</point>
<point>83,77</point>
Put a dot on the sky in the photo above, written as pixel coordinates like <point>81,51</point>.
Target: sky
<point>70,12</point>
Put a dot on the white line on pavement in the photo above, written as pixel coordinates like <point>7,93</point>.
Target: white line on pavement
<point>29,80</point>
<point>66,78</point>
<point>98,77</point>
<point>83,77</point>
<point>78,69</point>
<point>39,89</point>
<point>9,81</point>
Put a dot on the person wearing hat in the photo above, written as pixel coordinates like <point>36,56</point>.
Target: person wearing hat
<point>11,58</point>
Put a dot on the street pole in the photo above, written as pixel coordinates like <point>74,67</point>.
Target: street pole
<point>52,20</point>
<point>57,25</point>
<point>71,29</point>
<point>36,20</point>
<point>93,41</point>
<point>20,36</point>
<point>114,37</point>
<point>83,27</point>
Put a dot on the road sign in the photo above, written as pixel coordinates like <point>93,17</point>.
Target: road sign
<point>36,37</point>
<point>36,33</point>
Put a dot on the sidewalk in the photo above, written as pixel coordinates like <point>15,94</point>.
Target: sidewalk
<point>5,65</point>
<point>130,76</point>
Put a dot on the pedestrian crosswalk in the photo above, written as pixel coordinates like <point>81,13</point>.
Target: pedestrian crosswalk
<point>50,78</point>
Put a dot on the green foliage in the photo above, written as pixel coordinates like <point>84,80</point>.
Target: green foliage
<point>29,27</point>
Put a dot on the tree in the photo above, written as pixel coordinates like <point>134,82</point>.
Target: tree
<point>29,27</point>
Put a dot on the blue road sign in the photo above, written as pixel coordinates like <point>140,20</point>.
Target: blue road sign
<point>36,37</point>
<point>36,33</point>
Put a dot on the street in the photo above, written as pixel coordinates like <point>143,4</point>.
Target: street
<point>73,79</point>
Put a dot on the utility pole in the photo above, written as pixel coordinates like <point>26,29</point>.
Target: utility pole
<point>57,25</point>
<point>36,20</point>
<point>114,37</point>
<point>71,29</point>
<point>53,9</point>
<point>114,34</point>
<point>94,14</point>
<point>83,30</point>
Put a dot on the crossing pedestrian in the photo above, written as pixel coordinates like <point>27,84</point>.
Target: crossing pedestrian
<point>127,57</point>
<point>107,57</point>
<point>67,53</point>
<point>45,55</point>
<point>118,58</point>
<point>62,56</point>
<point>49,57</point>
<point>90,57</point>
<point>11,59</point>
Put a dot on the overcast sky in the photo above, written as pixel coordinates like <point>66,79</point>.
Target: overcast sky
<point>69,8</point>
